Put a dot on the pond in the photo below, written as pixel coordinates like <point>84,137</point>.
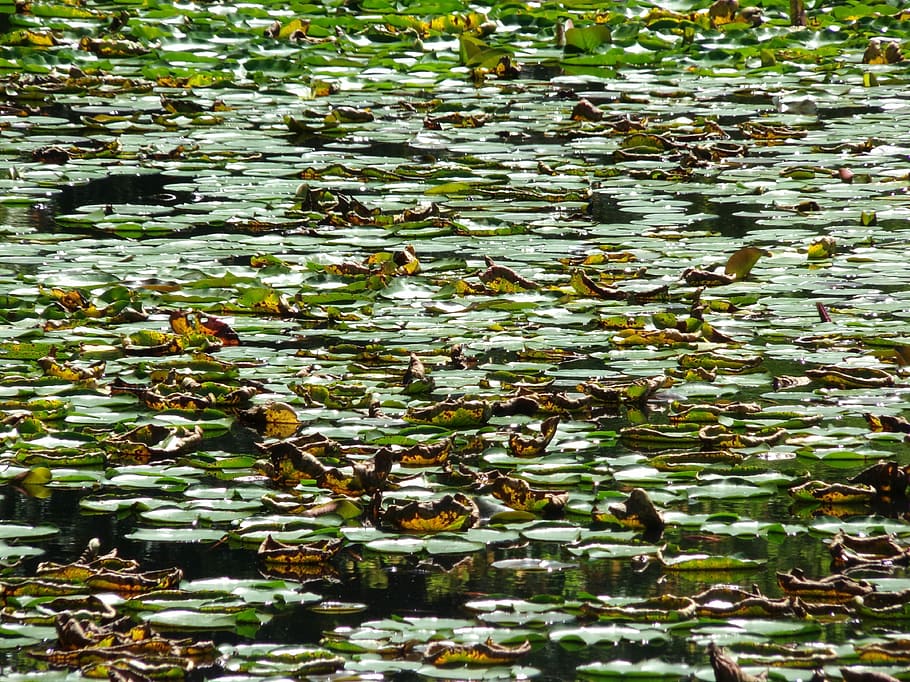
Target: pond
<point>446,341</point>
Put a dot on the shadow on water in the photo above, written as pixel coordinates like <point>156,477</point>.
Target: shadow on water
<point>135,188</point>
<point>723,220</point>
<point>604,208</point>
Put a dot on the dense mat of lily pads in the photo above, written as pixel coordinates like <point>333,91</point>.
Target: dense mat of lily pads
<point>583,324</point>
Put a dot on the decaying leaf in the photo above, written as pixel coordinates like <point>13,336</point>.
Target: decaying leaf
<point>834,588</point>
<point>885,422</point>
<point>585,110</point>
<point>890,54</point>
<point>534,446</point>
<point>290,464</point>
<point>685,460</point>
<point>502,278</point>
<point>416,380</point>
<point>721,362</point>
<point>425,454</point>
<point>151,441</point>
<point>726,669</point>
<point>696,277</point>
<point>877,551</point>
<point>666,608</point>
<point>272,551</point>
<point>822,248</point>
<point>850,377</point>
<point>69,371</point>
<point>832,493</point>
<point>89,563</point>
<point>131,583</point>
<point>272,419</point>
<point>891,652</point>
<point>450,513</point>
<point>366,478</point>
<point>656,337</point>
<point>888,478</point>
<point>483,653</point>
<point>723,11</point>
<point>729,601</point>
<point>518,494</point>
<point>637,512</point>
<point>635,393</point>
<point>453,413</point>
<point>123,652</point>
<point>183,322</point>
<point>709,414</point>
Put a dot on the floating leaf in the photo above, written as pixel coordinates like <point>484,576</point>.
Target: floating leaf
<point>453,414</point>
<point>451,512</point>
<point>272,551</point>
<point>484,653</point>
<point>707,562</point>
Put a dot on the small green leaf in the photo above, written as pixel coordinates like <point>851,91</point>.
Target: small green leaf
<point>37,476</point>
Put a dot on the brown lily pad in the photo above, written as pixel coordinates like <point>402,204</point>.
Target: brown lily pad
<point>450,513</point>
<point>272,551</point>
<point>482,653</point>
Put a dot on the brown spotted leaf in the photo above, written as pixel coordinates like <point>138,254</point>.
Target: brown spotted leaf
<point>483,653</point>
<point>450,513</point>
<point>453,413</point>
<point>534,446</point>
<point>273,419</point>
<point>832,493</point>
<point>886,422</point>
<point>888,478</point>
<point>425,454</point>
<point>272,551</point>
<point>504,279</point>
<point>517,494</point>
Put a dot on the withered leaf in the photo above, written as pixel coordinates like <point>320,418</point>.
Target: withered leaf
<point>518,494</point>
<point>183,322</point>
<point>834,588</point>
<point>500,273</point>
<point>272,551</point>
<point>483,653</point>
<point>726,669</point>
<point>450,513</point>
<point>888,478</point>
<point>454,413</point>
<point>638,512</point>
<point>534,446</point>
<point>425,454</point>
